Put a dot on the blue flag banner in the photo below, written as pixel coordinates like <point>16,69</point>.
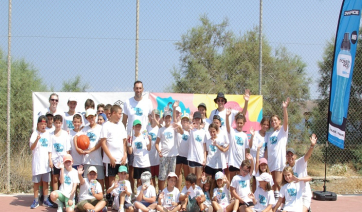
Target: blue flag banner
<point>344,55</point>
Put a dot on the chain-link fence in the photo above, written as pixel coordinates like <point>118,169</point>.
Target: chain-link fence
<point>184,47</point>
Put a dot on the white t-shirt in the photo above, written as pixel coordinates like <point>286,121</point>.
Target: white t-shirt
<point>40,162</point>
<point>222,194</point>
<point>183,143</point>
<point>222,115</point>
<point>77,158</point>
<point>207,123</point>
<point>196,145</point>
<point>276,145</point>
<point>263,199</point>
<point>170,197</point>
<point>242,186</point>
<point>121,184</point>
<point>258,139</point>
<point>114,133</point>
<point>50,130</point>
<point>198,191</point>
<point>140,152</point>
<point>215,157</point>
<point>149,192</point>
<point>153,154</point>
<point>257,174</point>
<point>59,145</point>
<point>300,170</point>
<point>68,121</point>
<point>293,197</point>
<point>46,110</point>
<point>85,191</point>
<point>238,144</point>
<point>70,177</point>
<point>137,110</point>
<point>167,141</point>
<point>95,157</point>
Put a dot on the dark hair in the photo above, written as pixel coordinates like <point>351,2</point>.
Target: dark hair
<point>240,115</point>
<point>191,178</point>
<point>216,127</point>
<point>53,94</point>
<point>108,107</point>
<point>115,108</point>
<point>138,81</point>
<point>100,105</point>
<point>265,118</point>
<point>77,116</point>
<point>58,118</point>
<point>89,103</point>
<point>245,163</point>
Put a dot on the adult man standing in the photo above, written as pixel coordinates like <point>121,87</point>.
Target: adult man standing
<point>139,108</point>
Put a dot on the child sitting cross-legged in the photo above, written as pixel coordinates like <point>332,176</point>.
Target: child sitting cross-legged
<point>168,201</point>
<point>191,195</point>
<point>146,194</point>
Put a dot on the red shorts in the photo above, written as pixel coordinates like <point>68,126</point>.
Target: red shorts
<point>155,170</point>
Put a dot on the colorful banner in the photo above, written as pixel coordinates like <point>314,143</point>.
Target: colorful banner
<point>344,54</point>
<point>189,103</point>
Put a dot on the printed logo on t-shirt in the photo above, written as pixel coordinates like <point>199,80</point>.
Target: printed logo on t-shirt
<point>58,147</point>
<point>295,174</point>
<point>153,136</point>
<point>43,142</point>
<point>242,183</point>
<point>239,140</point>
<point>138,111</point>
<point>92,137</point>
<point>292,192</point>
<point>220,194</point>
<point>262,200</point>
<point>273,140</point>
<point>212,148</point>
<point>69,124</point>
<point>169,198</point>
<point>138,145</point>
<point>185,137</point>
<point>67,180</point>
<point>207,196</point>
<point>168,135</point>
<point>198,138</point>
<point>222,122</point>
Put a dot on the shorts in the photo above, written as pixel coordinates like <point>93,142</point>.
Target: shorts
<point>75,167</point>
<point>100,171</point>
<point>111,172</point>
<point>65,199</point>
<point>181,160</point>
<point>146,204</point>
<point>93,202</point>
<point>155,170</point>
<point>248,204</point>
<point>55,171</point>
<point>115,205</point>
<point>167,165</point>
<point>193,164</point>
<point>211,171</point>
<point>41,177</point>
<point>138,171</point>
<point>233,169</point>
<point>130,158</point>
<point>306,201</point>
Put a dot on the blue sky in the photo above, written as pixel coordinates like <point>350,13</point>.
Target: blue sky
<point>96,39</point>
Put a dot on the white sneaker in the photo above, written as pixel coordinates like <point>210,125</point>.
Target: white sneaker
<point>121,210</point>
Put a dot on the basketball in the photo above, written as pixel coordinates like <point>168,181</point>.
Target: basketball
<point>83,142</point>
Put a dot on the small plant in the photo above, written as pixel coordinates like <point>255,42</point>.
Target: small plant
<point>338,169</point>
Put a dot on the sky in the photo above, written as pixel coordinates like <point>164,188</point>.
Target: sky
<point>96,39</point>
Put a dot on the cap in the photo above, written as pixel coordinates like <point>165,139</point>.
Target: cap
<point>202,105</point>
<point>178,109</point>
<point>220,95</point>
<point>156,112</point>
<point>122,169</point>
<point>42,118</point>
<point>291,150</point>
<point>216,117</point>
<point>72,99</point>
<point>186,115</point>
<point>263,161</point>
<point>172,174</point>
<point>264,177</point>
<point>104,116</point>
<point>167,113</point>
<point>136,122</point>
<point>197,115</point>
<point>146,178</point>
<point>49,114</point>
<point>67,157</point>
<point>219,175</point>
<point>90,112</point>
<point>92,169</point>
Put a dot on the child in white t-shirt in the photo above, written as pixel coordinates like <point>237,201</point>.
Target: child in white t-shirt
<point>152,130</point>
<point>69,181</point>
<point>90,192</point>
<point>50,127</point>
<point>168,201</point>
<point>206,182</point>
<point>146,194</point>
<point>191,196</point>
<point>39,142</point>
<point>240,185</point>
<point>263,198</point>
<point>68,116</point>
<point>221,194</point>
<point>121,192</point>
<point>73,134</point>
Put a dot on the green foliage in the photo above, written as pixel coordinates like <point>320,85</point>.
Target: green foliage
<point>214,59</point>
<point>75,85</point>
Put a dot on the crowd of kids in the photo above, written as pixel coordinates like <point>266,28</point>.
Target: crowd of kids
<point>137,159</point>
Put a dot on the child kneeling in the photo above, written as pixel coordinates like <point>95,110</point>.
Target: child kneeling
<point>168,201</point>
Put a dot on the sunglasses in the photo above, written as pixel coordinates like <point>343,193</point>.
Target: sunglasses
<point>54,100</point>
<point>220,100</point>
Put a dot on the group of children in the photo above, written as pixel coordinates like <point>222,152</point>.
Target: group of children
<point>211,153</point>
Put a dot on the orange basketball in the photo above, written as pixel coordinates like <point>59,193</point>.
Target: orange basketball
<point>83,142</point>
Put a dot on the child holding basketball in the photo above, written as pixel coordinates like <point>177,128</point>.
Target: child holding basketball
<point>73,133</point>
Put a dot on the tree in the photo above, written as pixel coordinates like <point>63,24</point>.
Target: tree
<point>75,85</point>
<point>214,59</point>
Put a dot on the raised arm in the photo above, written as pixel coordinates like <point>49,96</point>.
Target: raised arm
<point>252,132</point>
<point>285,114</point>
<point>246,99</point>
<point>250,158</point>
<point>313,142</point>
<point>80,175</point>
<point>228,112</point>
<point>257,157</point>
<point>32,147</point>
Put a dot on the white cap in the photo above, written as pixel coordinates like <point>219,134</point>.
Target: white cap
<point>219,175</point>
<point>186,115</point>
<point>92,169</point>
<point>172,174</point>
<point>264,177</point>
<point>178,109</point>
<point>146,178</point>
<point>72,99</point>
<point>90,112</point>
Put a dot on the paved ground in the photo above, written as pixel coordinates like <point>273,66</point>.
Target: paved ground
<point>22,202</point>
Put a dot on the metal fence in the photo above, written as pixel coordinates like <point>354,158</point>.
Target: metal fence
<point>183,46</point>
